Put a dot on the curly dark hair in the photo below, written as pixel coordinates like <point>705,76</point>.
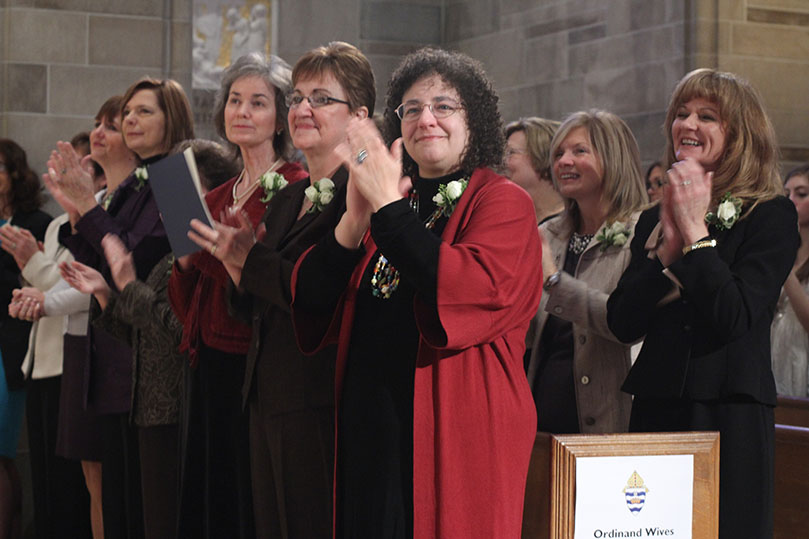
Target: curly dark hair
<point>25,195</point>
<point>478,98</point>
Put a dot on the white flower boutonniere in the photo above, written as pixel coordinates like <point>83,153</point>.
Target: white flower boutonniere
<point>614,234</point>
<point>320,194</point>
<point>141,174</point>
<point>727,213</point>
<point>448,195</point>
<point>271,182</point>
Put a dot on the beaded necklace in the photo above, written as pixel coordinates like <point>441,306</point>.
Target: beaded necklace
<point>579,242</point>
<point>385,278</point>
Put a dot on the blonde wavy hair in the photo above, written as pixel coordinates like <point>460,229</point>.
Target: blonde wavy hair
<point>748,166</point>
<point>615,147</point>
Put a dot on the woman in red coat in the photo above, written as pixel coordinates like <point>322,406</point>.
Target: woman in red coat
<point>428,283</point>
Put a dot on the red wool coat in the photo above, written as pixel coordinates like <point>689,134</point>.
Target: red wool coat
<point>474,418</point>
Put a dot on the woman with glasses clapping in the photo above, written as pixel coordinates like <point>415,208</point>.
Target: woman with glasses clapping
<point>291,396</point>
<point>428,284</point>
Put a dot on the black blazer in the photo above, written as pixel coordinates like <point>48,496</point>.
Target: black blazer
<point>713,340</point>
<point>14,332</point>
<point>302,382</point>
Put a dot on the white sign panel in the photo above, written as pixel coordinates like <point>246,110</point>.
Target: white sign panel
<point>642,496</point>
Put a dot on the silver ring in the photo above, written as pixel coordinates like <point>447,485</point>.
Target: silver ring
<point>13,246</point>
<point>213,249</point>
<point>686,183</point>
<point>362,155</point>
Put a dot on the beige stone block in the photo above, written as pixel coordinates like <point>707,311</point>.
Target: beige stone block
<point>790,126</point>
<point>117,7</point>
<point>655,44</point>
<point>38,133</point>
<point>181,46</point>
<point>66,36</point>
<point>797,5</point>
<point>3,26</point>
<point>530,17</point>
<point>26,88</point>
<point>305,24</point>
<point>782,84</point>
<point>633,89</point>
<point>502,55</point>
<point>732,10</point>
<point>182,10</point>
<point>79,90</point>
<point>706,37</point>
<point>724,37</point>
<point>544,59</point>
<point>777,16</point>
<point>706,9</point>
<point>126,41</point>
<point>769,40</point>
<point>466,20</point>
<point>553,100</point>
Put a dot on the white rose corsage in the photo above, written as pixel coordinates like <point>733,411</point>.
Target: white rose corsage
<point>614,234</point>
<point>727,213</point>
<point>320,194</point>
<point>448,194</point>
<point>141,174</point>
<point>271,182</point>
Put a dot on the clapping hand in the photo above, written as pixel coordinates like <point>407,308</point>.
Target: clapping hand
<point>27,304</point>
<point>19,243</point>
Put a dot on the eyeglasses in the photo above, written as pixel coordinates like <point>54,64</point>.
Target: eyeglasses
<point>316,100</point>
<point>441,108</point>
<point>514,151</point>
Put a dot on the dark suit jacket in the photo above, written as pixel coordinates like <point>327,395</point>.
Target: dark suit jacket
<point>14,332</point>
<point>713,340</point>
<point>300,382</point>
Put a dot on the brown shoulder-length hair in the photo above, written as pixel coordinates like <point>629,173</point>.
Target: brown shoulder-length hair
<point>25,194</point>
<point>748,166</point>
<point>175,106</point>
<point>615,147</point>
<point>348,65</point>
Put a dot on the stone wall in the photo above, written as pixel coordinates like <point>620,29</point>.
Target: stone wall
<point>61,58</point>
<point>552,57</point>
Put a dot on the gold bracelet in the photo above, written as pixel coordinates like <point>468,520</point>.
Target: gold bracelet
<point>699,245</point>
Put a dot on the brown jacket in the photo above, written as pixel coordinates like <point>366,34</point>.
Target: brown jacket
<point>600,362</point>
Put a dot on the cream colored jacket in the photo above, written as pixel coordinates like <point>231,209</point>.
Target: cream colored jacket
<point>600,362</point>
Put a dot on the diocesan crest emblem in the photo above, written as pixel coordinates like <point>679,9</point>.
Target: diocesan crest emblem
<point>635,492</point>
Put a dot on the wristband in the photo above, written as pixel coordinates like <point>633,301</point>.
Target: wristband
<point>699,245</point>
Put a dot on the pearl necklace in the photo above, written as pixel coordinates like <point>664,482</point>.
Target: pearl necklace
<point>252,188</point>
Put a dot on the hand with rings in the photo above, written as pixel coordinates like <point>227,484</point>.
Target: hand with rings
<point>688,197</point>
<point>230,240</point>
<point>375,170</point>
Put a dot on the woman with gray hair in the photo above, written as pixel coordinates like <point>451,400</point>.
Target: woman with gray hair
<point>215,498</point>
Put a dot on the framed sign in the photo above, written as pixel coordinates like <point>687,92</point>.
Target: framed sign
<point>635,485</point>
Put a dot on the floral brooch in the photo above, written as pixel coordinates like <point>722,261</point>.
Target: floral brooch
<point>320,194</point>
<point>141,174</point>
<point>448,194</point>
<point>614,234</point>
<point>271,182</point>
<point>727,213</point>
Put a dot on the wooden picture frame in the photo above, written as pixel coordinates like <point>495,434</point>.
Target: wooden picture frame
<point>565,449</point>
